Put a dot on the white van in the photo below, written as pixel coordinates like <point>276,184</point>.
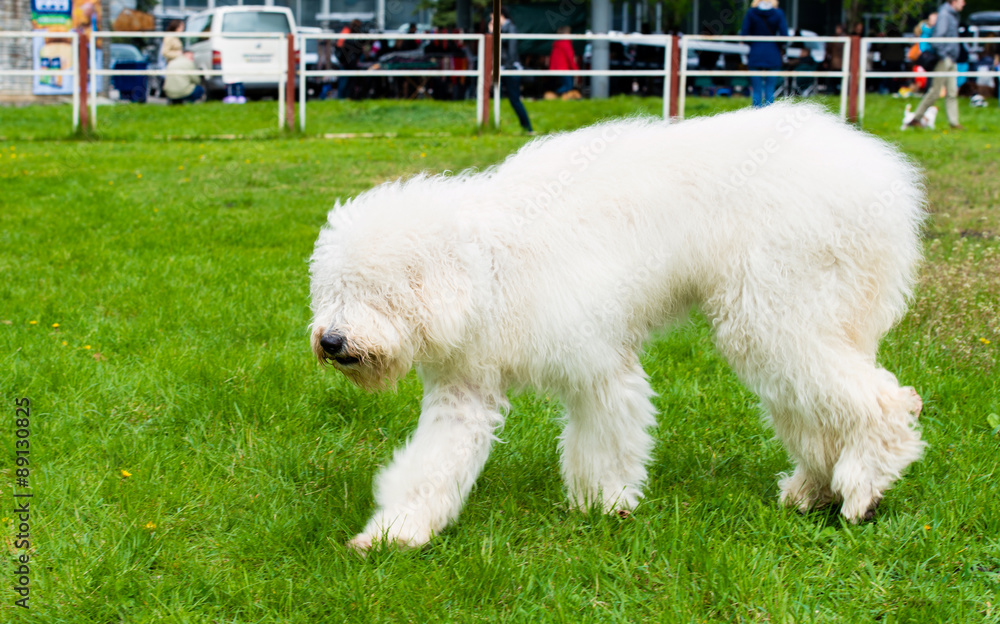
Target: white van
<point>237,56</point>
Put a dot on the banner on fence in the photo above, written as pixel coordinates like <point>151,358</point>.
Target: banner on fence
<point>55,50</point>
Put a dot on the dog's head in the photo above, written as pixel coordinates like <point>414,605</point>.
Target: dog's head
<point>362,341</point>
<point>385,287</point>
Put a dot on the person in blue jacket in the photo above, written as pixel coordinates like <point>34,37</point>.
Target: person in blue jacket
<point>764,19</point>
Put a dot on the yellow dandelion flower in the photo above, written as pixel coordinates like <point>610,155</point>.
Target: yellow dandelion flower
<point>87,347</point>
<point>423,155</point>
<point>150,526</point>
<point>156,209</point>
<point>126,473</point>
<point>111,181</point>
<point>138,175</point>
<point>64,343</point>
<point>180,168</point>
<point>247,161</point>
<point>13,155</point>
<point>984,341</point>
<point>927,527</point>
<point>32,322</point>
<point>55,324</point>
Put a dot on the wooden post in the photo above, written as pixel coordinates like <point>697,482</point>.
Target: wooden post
<point>290,84</point>
<point>488,78</point>
<point>83,74</point>
<point>854,81</point>
<point>675,75</point>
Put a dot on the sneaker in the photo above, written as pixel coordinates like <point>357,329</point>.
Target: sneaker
<point>229,99</point>
<point>241,99</point>
<point>958,127</point>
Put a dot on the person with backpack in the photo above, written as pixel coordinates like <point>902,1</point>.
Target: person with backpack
<point>764,19</point>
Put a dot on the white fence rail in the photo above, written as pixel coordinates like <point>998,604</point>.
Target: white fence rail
<point>479,73</point>
<point>844,74</point>
<point>280,74</point>
<point>74,73</point>
<point>666,41</point>
<point>286,81</point>
<point>865,74</point>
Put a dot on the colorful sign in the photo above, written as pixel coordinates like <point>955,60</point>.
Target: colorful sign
<point>55,50</point>
<point>51,14</point>
<point>52,52</point>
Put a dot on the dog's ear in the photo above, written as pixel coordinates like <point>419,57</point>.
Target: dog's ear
<point>444,300</point>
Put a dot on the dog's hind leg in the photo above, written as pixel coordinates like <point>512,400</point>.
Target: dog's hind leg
<point>847,425</point>
<point>425,486</point>
<point>606,443</point>
<point>879,442</point>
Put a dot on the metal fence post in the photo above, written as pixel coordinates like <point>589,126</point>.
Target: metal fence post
<point>668,76</point>
<point>290,91</point>
<point>487,55</point>
<point>862,78</point>
<point>852,97</point>
<point>302,83</point>
<point>76,80</point>
<point>481,83</point>
<point>92,80</point>
<point>675,76</point>
<point>681,90</point>
<point>845,79</point>
<point>82,51</point>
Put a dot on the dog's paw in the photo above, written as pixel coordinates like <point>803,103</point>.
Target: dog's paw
<point>361,544</point>
<point>364,542</point>
<point>391,530</point>
<point>804,494</point>
<point>858,511</point>
<point>912,401</point>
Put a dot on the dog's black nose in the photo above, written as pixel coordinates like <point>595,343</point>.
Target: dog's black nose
<point>332,343</point>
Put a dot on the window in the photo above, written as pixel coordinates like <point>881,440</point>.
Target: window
<point>255,21</point>
<point>199,23</point>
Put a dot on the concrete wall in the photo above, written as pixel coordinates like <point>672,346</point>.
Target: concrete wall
<point>15,53</point>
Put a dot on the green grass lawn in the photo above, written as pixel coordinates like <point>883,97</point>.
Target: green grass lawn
<point>190,461</point>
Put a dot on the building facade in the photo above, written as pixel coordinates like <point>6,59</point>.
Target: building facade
<point>15,15</point>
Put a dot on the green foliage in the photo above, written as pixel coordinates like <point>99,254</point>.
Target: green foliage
<point>904,12</point>
<point>192,463</point>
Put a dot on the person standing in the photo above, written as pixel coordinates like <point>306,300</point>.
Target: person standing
<point>925,29</point>
<point>764,19</point>
<point>946,26</point>
<point>835,59</point>
<point>349,51</point>
<point>509,60</point>
<point>562,59</point>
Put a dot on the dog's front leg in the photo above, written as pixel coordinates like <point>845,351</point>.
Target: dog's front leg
<point>425,486</point>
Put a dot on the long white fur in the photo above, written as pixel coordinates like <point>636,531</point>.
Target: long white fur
<point>796,234</point>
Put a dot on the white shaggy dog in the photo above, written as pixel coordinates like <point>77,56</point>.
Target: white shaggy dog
<point>794,233</point>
